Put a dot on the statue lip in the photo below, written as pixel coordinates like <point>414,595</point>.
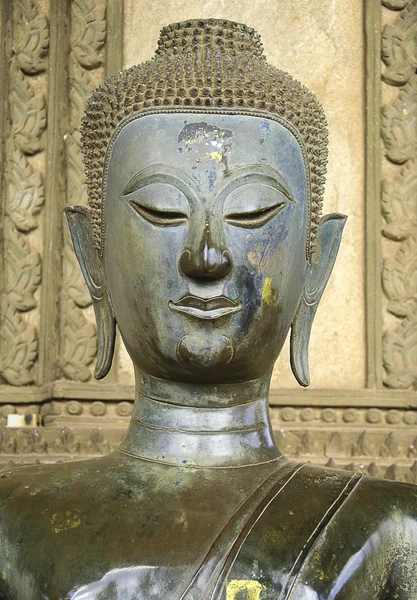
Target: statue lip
<point>210,308</point>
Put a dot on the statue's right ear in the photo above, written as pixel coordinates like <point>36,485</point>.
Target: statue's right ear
<point>80,227</point>
<point>329,235</point>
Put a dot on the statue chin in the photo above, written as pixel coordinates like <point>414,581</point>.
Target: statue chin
<point>205,351</point>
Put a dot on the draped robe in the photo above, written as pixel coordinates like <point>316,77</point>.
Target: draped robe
<point>304,533</point>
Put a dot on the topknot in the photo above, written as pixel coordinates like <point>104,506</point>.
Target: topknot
<point>221,35</point>
<point>203,65</point>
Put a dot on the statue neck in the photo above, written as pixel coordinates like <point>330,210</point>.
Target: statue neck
<point>201,425</point>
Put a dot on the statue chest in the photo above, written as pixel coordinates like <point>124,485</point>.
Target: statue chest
<point>73,553</point>
<point>96,531</point>
<point>289,539</point>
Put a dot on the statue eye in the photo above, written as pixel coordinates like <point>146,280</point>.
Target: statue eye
<point>255,200</point>
<point>160,204</point>
<point>165,218</point>
<point>255,218</point>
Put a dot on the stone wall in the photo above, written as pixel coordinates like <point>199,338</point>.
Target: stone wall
<point>361,407</point>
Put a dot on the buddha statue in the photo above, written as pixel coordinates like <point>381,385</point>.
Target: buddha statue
<point>204,242</point>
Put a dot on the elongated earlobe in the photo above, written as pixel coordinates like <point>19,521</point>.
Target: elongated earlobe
<point>328,241</point>
<point>106,336</point>
<point>90,262</point>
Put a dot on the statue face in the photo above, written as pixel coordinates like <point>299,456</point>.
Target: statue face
<point>204,252</point>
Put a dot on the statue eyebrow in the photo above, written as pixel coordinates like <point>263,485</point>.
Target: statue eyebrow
<point>247,174</point>
<point>161,173</point>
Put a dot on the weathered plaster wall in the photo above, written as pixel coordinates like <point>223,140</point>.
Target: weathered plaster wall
<point>321,43</point>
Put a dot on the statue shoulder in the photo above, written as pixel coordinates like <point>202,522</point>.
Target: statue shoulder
<point>369,499</point>
<point>373,532</point>
<point>386,498</point>
<point>31,494</point>
<point>52,497</point>
<point>94,479</point>
<point>15,478</point>
<point>31,480</point>
<point>321,518</point>
<point>373,494</point>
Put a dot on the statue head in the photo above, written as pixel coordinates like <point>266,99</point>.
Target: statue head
<point>203,238</point>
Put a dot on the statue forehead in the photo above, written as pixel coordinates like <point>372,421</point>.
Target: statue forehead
<point>200,142</point>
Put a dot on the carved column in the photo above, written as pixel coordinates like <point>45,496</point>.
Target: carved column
<point>78,345</point>
<point>24,122</point>
<point>399,193</point>
<point>54,54</point>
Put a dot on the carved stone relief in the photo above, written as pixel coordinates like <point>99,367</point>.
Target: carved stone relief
<point>399,192</point>
<point>379,442</point>
<point>87,39</point>
<point>399,50</point>
<point>24,194</point>
<point>395,4</point>
<point>30,38</point>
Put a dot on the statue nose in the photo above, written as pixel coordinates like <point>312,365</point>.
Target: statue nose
<point>205,259</point>
<point>210,263</point>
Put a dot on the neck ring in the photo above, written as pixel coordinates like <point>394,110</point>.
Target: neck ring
<point>193,425</point>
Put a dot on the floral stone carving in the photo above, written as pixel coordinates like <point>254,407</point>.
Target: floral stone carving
<point>399,48</point>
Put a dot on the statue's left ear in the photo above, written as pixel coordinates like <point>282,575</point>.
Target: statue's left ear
<point>79,222</point>
<point>318,272</point>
